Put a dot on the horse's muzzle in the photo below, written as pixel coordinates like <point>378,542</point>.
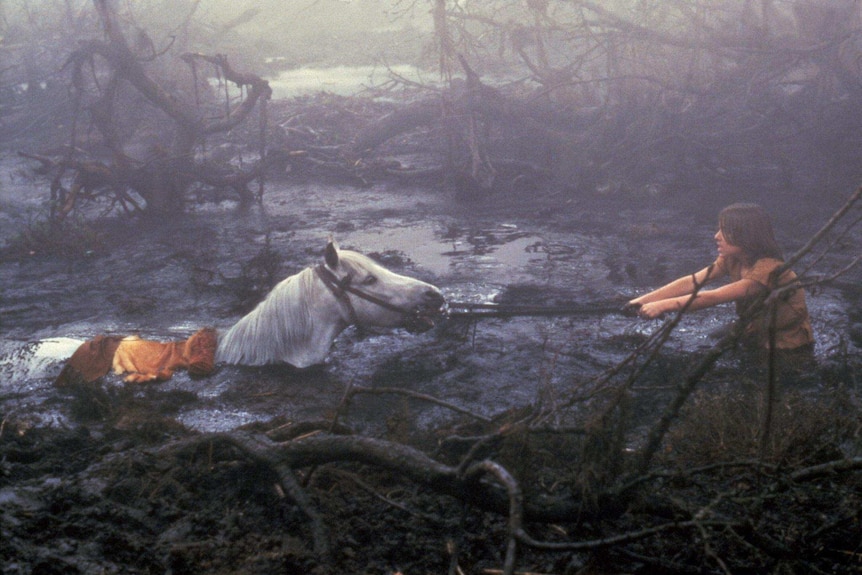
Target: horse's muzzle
<point>426,314</point>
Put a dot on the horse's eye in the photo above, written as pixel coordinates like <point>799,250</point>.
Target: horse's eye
<point>369,280</point>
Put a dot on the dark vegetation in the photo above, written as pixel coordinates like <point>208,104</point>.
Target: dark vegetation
<point>664,100</point>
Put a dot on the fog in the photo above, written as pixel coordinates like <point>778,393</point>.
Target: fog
<point>164,164</point>
<point>302,32</point>
<point>629,95</point>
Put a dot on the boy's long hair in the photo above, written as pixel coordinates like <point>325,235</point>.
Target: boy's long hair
<point>748,226</point>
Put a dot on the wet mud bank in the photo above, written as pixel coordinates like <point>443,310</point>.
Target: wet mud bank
<point>87,486</point>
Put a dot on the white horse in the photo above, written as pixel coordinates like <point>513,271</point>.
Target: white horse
<point>304,313</point>
<point>296,324</point>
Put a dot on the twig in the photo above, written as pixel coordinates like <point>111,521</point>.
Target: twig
<point>710,552</point>
<point>771,382</point>
<point>500,571</point>
<point>320,533</point>
<point>260,449</point>
<point>352,477</point>
<point>833,242</point>
<point>3,424</point>
<point>820,280</point>
<point>619,539</point>
<point>657,433</point>
<point>836,217</point>
<point>825,469</point>
<point>640,480</point>
<point>516,506</point>
<point>356,389</point>
<point>652,346</point>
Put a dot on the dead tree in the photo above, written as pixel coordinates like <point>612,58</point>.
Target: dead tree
<point>106,68</point>
<point>610,101</point>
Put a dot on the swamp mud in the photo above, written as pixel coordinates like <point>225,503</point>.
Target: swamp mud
<point>91,480</point>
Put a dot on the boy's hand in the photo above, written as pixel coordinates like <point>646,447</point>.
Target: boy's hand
<point>653,310</point>
<point>631,309</point>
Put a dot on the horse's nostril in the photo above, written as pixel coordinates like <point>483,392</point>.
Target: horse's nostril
<point>434,297</point>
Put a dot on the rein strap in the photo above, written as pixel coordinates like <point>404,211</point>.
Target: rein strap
<point>341,287</point>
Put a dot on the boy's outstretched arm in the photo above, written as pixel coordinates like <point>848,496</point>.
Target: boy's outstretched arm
<point>678,287</point>
<point>705,298</point>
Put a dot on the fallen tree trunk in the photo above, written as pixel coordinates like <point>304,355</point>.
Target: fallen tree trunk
<point>401,121</point>
<point>604,522</point>
<point>398,458</point>
<point>534,119</point>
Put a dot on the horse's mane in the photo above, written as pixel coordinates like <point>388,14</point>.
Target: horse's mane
<point>284,327</point>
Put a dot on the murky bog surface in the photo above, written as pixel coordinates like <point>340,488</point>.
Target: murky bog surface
<point>167,278</point>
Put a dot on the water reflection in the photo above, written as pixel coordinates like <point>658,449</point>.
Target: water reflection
<point>498,253</point>
<point>340,80</point>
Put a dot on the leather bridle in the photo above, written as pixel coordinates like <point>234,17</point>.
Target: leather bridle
<point>340,288</point>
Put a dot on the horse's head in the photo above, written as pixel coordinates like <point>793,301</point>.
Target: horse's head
<point>375,296</point>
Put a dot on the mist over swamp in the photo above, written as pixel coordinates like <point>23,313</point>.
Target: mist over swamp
<point>584,188</point>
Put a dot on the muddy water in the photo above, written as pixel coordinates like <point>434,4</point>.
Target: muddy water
<point>165,279</point>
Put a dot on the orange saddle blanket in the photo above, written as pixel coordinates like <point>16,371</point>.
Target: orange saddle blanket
<point>142,359</point>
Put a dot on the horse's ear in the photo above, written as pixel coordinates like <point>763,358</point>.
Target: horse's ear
<point>331,255</point>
